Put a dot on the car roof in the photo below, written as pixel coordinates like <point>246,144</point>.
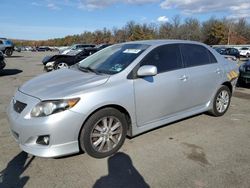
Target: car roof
<point>161,42</point>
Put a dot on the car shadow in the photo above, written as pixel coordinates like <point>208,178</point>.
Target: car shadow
<point>13,56</point>
<point>9,72</point>
<point>121,173</point>
<point>11,175</point>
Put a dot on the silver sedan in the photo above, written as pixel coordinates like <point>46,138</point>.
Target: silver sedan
<point>125,89</point>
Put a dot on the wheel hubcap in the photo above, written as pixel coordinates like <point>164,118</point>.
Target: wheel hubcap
<point>106,134</point>
<point>222,101</point>
<point>62,65</point>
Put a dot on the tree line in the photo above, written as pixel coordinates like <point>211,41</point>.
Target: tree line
<point>212,32</point>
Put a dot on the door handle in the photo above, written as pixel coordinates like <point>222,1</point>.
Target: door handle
<point>183,78</point>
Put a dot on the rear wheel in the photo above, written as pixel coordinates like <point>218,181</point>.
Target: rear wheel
<point>221,101</point>
<point>103,133</point>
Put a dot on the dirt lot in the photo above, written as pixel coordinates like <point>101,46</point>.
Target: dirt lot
<point>201,151</point>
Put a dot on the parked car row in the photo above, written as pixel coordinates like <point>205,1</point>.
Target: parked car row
<point>112,93</point>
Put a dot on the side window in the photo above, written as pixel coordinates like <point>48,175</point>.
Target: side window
<point>195,55</point>
<point>211,57</point>
<point>1,42</point>
<point>165,58</point>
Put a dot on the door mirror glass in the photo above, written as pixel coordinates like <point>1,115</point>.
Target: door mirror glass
<point>147,70</point>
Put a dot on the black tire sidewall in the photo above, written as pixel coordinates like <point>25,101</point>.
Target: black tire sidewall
<point>8,52</point>
<point>84,138</point>
<point>215,111</point>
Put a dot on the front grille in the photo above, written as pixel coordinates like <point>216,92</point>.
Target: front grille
<point>19,106</point>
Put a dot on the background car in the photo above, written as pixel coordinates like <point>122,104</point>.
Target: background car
<point>65,60</point>
<point>6,46</point>
<point>2,62</point>
<point>245,52</point>
<point>43,49</point>
<point>76,47</point>
<point>244,73</point>
<point>231,51</point>
<point>228,51</point>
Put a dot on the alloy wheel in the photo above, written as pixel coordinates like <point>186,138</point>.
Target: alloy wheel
<point>106,134</point>
<point>222,101</point>
<point>62,65</point>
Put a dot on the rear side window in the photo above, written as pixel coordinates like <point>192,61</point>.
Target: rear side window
<point>211,57</point>
<point>1,42</point>
<point>196,55</point>
<point>165,58</point>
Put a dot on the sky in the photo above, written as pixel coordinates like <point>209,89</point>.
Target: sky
<point>46,19</point>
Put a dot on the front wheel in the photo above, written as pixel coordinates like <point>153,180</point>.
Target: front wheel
<point>9,52</point>
<point>221,101</point>
<point>104,133</point>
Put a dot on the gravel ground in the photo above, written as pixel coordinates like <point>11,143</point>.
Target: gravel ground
<point>201,151</point>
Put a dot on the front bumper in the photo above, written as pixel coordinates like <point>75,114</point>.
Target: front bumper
<point>63,129</point>
<point>49,66</point>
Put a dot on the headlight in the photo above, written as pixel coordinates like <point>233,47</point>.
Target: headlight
<point>46,108</point>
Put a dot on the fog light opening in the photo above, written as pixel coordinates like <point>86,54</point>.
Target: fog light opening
<point>43,140</point>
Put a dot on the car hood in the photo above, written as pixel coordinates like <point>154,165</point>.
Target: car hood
<point>54,57</point>
<point>61,83</point>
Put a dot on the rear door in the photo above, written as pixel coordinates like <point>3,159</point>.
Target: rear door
<point>203,71</point>
<point>163,95</point>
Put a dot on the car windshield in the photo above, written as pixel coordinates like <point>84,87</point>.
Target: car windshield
<point>8,42</point>
<point>113,59</point>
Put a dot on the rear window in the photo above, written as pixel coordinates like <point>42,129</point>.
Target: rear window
<point>196,55</point>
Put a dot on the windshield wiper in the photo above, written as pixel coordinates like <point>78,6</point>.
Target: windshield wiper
<point>88,69</point>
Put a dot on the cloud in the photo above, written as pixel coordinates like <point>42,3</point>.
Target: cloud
<point>52,6</point>
<point>99,4</point>
<point>35,4</point>
<point>162,19</point>
<point>237,8</point>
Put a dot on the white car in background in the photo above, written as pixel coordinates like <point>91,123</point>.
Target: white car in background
<point>245,51</point>
<point>76,47</point>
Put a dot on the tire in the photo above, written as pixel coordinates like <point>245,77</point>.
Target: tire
<point>221,101</point>
<point>9,52</point>
<point>61,65</point>
<point>100,141</point>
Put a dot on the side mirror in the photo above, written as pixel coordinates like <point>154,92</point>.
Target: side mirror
<point>147,70</point>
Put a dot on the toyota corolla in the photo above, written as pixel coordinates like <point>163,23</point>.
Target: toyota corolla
<point>125,89</point>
